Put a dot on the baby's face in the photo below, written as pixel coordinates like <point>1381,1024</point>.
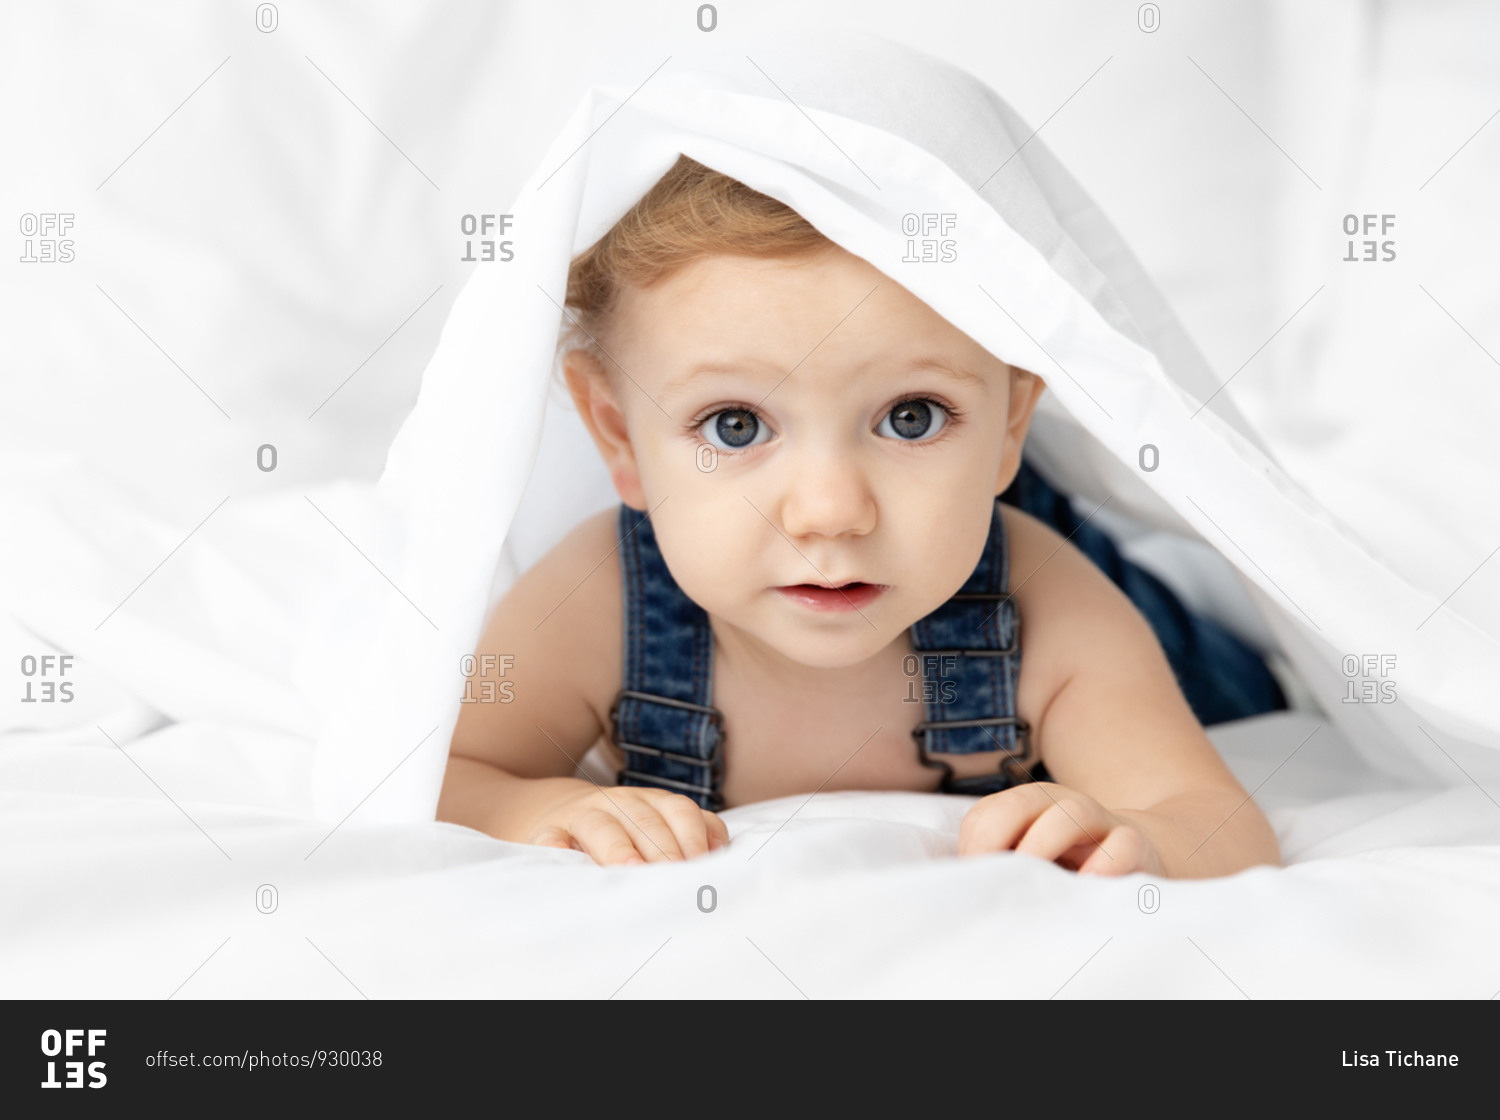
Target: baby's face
<point>820,451</point>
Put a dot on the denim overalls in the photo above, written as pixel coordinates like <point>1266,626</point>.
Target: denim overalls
<point>964,668</point>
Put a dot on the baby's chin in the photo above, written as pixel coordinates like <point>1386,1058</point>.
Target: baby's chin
<point>819,639</point>
<point>826,651</point>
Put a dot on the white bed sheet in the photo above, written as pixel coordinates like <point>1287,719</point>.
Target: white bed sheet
<point>112,891</point>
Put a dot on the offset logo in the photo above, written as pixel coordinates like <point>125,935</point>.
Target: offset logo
<point>933,691</point>
<point>48,665</point>
<point>487,668</point>
<point>1369,222</point>
<point>1376,685</point>
<point>66,1044</point>
<point>927,237</point>
<point>46,238</point>
<point>484,225</point>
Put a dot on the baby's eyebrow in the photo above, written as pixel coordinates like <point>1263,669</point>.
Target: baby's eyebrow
<point>749,368</point>
<point>752,368</point>
<point>941,364</point>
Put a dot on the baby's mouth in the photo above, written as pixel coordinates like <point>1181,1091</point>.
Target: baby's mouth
<point>850,596</point>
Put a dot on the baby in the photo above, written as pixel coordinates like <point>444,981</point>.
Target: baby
<point>811,574</point>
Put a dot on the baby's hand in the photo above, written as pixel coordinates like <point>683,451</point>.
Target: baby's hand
<point>630,824</point>
<point>1058,824</point>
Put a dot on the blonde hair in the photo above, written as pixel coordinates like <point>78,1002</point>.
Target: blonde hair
<point>692,212</point>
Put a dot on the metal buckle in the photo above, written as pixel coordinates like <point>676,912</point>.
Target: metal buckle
<point>632,694</point>
<point>980,596</point>
<point>714,763</point>
<point>654,780</point>
<point>1014,764</point>
<point>711,762</point>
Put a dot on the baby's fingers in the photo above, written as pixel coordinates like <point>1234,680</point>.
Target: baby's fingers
<point>605,838</point>
<point>1068,825</point>
<point>1124,850</point>
<point>999,820</point>
<point>689,823</point>
<point>553,837</point>
<point>652,834</point>
<point>718,831</point>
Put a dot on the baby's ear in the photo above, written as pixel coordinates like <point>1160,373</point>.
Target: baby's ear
<point>594,397</point>
<point>1025,390</point>
<point>580,370</point>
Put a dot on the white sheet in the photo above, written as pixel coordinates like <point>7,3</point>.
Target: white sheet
<point>113,892</point>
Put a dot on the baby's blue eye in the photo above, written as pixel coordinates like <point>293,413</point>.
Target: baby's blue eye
<point>913,421</point>
<point>734,429</point>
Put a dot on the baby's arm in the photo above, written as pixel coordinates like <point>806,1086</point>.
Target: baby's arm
<point>1139,786</point>
<point>546,672</point>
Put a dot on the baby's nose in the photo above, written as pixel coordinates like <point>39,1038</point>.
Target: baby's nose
<point>826,495</point>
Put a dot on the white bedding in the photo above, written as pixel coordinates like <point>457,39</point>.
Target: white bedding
<point>111,891</point>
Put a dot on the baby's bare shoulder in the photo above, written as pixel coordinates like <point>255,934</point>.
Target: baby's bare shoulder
<point>1032,545</point>
<point>556,633</point>
<point>569,602</point>
<point>1071,611</point>
<point>577,580</point>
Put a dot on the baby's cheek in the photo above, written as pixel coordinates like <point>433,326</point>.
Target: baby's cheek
<point>718,593</point>
<point>627,484</point>
<point>706,559</point>
<point>941,555</point>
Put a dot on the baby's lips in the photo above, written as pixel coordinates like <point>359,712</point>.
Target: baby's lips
<point>820,597</point>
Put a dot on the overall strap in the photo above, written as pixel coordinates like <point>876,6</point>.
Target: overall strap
<point>969,650</point>
<point>663,718</point>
